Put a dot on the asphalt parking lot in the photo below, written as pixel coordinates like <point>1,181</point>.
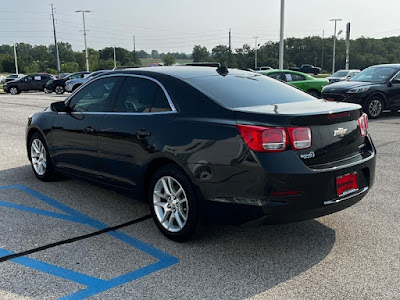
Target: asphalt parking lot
<point>54,232</point>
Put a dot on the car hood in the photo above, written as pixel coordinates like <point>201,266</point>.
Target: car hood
<point>345,85</point>
<point>303,108</point>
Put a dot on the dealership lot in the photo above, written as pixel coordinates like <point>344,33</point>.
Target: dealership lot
<point>351,254</point>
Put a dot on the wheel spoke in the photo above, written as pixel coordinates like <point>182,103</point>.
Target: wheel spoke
<point>178,192</point>
<point>182,215</point>
<point>159,194</point>
<point>166,189</point>
<point>160,204</point>
<point>182,201</point>
<point>171,186</point>
<point>166,215</point>
<point>35,147</point>
<point>178,220</point>
<point>171,221</point>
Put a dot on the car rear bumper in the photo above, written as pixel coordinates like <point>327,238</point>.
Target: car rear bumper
<point>317,195</point>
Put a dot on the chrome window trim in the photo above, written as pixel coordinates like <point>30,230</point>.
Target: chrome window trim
<point>171,104</point>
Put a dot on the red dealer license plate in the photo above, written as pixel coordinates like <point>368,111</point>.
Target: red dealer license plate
<point>346,184</point>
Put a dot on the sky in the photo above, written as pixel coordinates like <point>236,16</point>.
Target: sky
<point>178,25</point>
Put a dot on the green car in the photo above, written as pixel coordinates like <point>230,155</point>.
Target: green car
<point>303,81</point>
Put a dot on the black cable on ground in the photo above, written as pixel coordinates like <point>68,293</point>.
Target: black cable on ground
<point>75,239</point>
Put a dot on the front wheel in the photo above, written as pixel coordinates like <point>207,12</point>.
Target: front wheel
<point>14,90</point>
<point>173,203</point>
<point>40,158</point>
<point>59,90</point>
<point>374,107</point>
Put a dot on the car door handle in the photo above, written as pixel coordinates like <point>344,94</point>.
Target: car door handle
<point>142,133</point>
<point>89,129</point>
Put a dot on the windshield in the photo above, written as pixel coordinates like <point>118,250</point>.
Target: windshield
<point>340,74</point>
<point>374,74</point>
<point>246,90</point>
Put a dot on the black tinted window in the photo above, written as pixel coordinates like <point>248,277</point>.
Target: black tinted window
<point>160,102</point>
<point>247,90</point>
<point>136,95</point>
<point>95,97</point>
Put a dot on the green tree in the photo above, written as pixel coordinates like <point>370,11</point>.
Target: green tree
<point>200,54</point>
<point>169,59</point>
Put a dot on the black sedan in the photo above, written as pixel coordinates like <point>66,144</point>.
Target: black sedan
<point>200,141</point>
<point>58,85</point>
<point>376,88</point>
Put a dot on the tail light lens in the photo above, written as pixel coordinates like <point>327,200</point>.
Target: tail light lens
<point>264,139</point>
<point>300,137</point>
<point>363,124</point>
<point>275,139</point>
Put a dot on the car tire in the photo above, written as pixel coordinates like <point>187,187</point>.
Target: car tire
<point>374,107</point>
<point>14,90</point>
<point>314,93</point>
<point>59,89</point>
<point>40,158</point>
<point>173,203</point>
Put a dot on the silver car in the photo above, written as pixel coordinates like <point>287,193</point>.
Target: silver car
<point>73,84</point>
<point>342,75</point>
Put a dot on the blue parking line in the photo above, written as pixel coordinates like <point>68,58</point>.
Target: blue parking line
<point>94,285</point>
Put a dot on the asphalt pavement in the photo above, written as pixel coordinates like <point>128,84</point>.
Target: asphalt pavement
<point>55,239</point>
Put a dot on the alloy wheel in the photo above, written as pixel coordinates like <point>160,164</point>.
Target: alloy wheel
<point>375,107</point>
<point>13,91</point>
<point>59,89</point>
<point>170,204</point>
<point>38,157</point>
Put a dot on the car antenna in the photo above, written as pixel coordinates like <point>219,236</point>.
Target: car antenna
<point>223,71</point>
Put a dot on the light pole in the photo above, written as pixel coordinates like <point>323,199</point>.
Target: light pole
<point>84,35</point>
<point>115,58</point>
<point>281,40</point>
<point>255,51</point>
<point>334,45</point>
<point>15,58</point>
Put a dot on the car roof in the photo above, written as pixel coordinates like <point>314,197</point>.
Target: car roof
<point>182,72</point>
<point>387,65</point>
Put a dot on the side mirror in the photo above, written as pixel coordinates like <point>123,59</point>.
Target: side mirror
<point>59,106</point>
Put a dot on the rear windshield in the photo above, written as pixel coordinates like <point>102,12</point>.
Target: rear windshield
<point>246,90</point>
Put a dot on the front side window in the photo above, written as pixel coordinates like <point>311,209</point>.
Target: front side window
<point>95,97</point>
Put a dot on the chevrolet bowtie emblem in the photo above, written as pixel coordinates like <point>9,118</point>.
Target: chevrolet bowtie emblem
<point>340,132</point>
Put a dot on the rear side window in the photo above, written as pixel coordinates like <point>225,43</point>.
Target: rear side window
<point>249,89</point>
<point>296,77</point>
<point>136,95</point>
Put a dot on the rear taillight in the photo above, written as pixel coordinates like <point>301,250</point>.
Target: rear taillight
<point>300,137</point>
<point>363,124</point>
<point>275,139</point>
<point>264,139</point>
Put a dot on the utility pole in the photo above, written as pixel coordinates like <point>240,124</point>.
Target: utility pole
<point>115,58</point>
<point>322,58</point>
<point>281,40</point>
<point>334,45</point>
<point>255,51</point>
<point>55,40</point>
<point>134,50</point>
<point>230,40</point>
<point>15,58</point>
<point>84,35</point>
<point>347,44</point>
